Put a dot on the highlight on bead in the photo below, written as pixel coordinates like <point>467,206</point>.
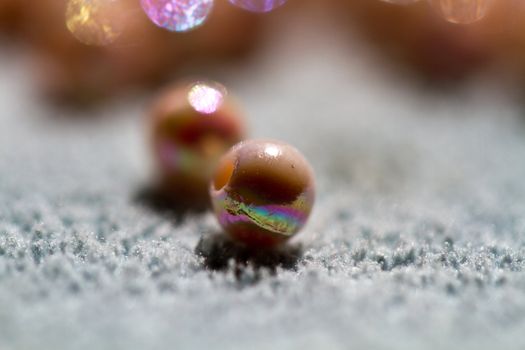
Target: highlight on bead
<point>262,192</point>
<point>207,97</point>
<point>95,22</point>
<point>461,11</point>
<point>258,5</point>
<point>177,15</point>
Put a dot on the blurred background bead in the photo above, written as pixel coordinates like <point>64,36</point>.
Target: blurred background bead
<point>420,42</point>
<point>143,56</point>
<point>77,74</point>
<point>262,192</point>
<point>192,126</point>
<point>461,11</point>
<point>401,2</point>
<point>177,15</point>
<point>11,15</point>
<point>258,5</point>
<point>95,22</point>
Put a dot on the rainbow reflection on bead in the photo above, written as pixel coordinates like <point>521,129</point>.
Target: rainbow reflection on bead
<point>263,192</point>
<point>192,126</point>
<point>94,22</point>
<point>461,11</point>
<point>258,5</point>
<point>177,15</point>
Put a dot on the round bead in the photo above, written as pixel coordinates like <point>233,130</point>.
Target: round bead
<point>192,126</point>
<point>258,5</point>
<point>461,11</point>
<point>177,15</point>
<point>262,192</point>
<point>95,22</point>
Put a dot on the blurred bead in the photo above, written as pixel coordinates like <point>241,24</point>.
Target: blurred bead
<point>414,37</point>
<point>461,11</point>
<point>95,22</point>
<point>11,15</point>
<point>145,55</point>
<point>258,5</point>
<point>262,192</point>
<point>177,15</point>
<point>401,2</point>
<point>228,34</point>
<point>193,125</point>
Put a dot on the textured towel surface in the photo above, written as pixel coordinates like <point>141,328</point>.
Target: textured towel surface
<point>417,241</point>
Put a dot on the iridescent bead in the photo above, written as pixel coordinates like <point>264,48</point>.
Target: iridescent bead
<point>461,11</point>
<point>177,15</point>
<point>95,22</point>
<point>192,126</point>
<point>262,192</point>
<point>258,5</point>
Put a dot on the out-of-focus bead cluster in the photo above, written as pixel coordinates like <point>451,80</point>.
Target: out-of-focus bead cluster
<point>125,49</point>
<point>139,42</point>
<point>99,22</point>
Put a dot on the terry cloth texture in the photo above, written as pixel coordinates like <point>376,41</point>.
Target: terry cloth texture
<point>417,240</point>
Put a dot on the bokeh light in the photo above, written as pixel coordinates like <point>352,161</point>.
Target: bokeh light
<point>206,97</point>
<point>461,11</point>
<point>95,22</point>
<point>258,5</point>
<point>177,15</point>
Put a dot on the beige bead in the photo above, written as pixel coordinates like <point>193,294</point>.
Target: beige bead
<point>263,192</point>
<point>193,125</point>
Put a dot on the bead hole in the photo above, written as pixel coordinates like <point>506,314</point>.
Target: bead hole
<point>223,174</point>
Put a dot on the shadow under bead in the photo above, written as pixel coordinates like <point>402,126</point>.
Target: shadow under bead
<point>263,192</point>
<point>218,250</point>
<point>173,208</point>
<point>192,125</point>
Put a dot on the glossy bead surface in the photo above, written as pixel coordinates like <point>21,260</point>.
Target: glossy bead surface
<point>95,22</point>
<point>192,126</point>
<point>262,192</point>
<point>461,11</point>
<point>177,15</point>
<point>258,5</point>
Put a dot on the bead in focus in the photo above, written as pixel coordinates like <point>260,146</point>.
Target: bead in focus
<point>461,11</point>
<point>258,5</point>
<point>95,22</point>
<point>177,15</point>
<point>262,192</point>
<point>193,125</point>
